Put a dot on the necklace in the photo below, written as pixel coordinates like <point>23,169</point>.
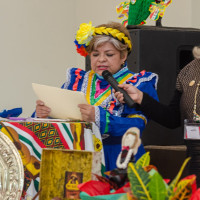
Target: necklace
<point>196,116</point>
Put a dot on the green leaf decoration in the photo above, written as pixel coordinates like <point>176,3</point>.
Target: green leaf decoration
<point>139,180</point>
<point>139,11</point>
<point>173,184</point>
<point>157,187</point>
<point>143,161</point>
<point>184,190</point>
<point>152,172</point>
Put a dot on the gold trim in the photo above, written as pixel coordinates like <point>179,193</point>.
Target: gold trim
<point>138,116</point>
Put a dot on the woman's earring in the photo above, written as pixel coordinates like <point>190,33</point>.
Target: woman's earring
<point>124,64</point>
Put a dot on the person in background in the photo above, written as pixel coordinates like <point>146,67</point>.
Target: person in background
<point>108,46</point>
<point>185,104</point>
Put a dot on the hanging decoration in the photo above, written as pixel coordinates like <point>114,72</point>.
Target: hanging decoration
<point>122,10</point>
<point>135,12</point>
<point>158,10</point>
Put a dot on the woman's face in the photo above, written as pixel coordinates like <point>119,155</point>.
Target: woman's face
<point>106,57</point>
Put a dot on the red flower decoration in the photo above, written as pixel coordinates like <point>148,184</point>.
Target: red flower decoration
<point>81,51</point>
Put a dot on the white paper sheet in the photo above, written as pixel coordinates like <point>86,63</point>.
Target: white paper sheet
<point>63,103</point>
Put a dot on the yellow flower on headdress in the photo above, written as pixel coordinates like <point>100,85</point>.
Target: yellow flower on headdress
<point>84,34</point>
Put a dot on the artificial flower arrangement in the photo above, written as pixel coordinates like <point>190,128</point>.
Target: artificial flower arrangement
<point>83,37</point>
<point>144,182</point>
<point>135,12</point>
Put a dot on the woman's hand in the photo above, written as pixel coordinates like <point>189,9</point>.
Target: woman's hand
<point>42,111</point>
<point>132,91</point>
<point>87,112</point>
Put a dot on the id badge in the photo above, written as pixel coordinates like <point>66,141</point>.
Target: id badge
<point>191,130</point>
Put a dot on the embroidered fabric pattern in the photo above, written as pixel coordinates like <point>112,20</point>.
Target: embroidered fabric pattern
<point>85,82</point>
<point>105,97</point>
<point>148,79</point>
<point>119,112</point>
<point>97,116</point>
<point>68,78</point>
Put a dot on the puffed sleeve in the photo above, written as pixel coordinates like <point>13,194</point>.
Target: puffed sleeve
<point>74,79</point>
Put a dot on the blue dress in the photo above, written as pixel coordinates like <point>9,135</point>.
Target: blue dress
<point>112,117</point>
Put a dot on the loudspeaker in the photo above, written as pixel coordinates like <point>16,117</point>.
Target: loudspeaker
<point>164,51</point>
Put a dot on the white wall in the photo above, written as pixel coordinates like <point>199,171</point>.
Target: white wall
<point>195,19</point>
<point>36,41</point>
<point>36,45</point>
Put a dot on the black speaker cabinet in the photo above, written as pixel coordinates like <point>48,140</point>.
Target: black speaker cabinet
<point>164,51</point>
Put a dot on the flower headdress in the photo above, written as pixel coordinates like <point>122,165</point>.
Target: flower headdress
<point>86,32</point>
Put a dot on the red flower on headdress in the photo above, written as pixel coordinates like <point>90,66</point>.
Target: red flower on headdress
<point>81,50</point>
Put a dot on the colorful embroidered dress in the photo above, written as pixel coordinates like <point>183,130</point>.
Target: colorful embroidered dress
<point>112,117</point>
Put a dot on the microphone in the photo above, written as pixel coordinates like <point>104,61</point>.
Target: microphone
<point>112,81</point>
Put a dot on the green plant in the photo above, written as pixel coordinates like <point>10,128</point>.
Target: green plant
<point>149,185</point>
